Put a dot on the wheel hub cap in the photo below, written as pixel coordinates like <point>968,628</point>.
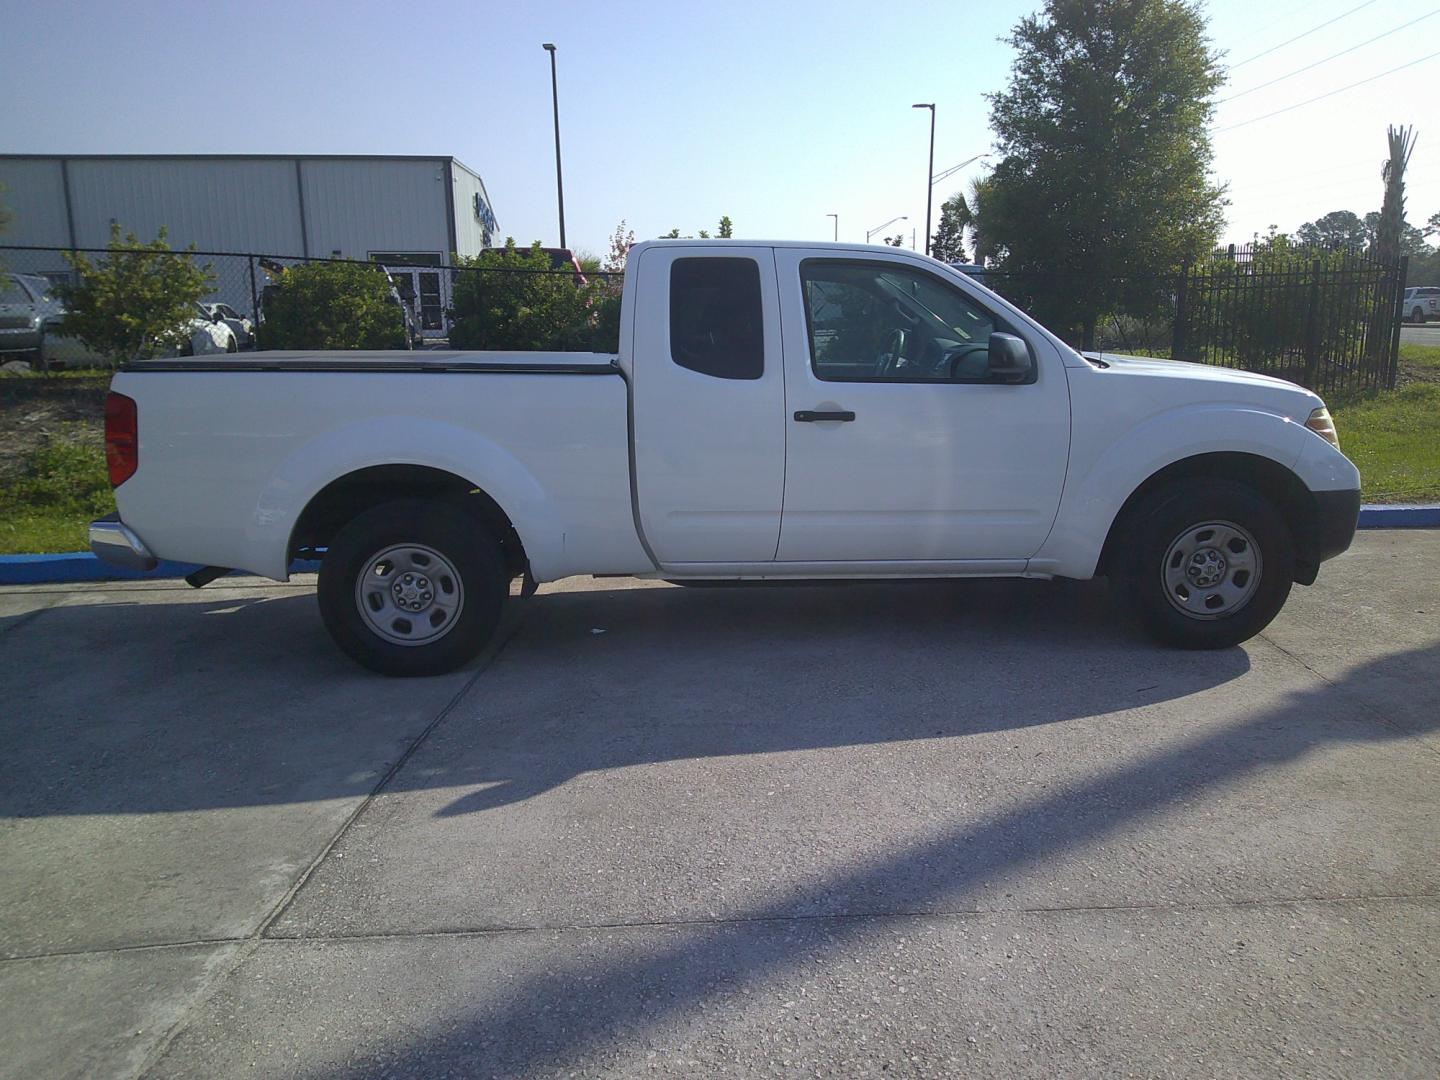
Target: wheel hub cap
<point>1207,567</point>
<point>409,594</point>
<point>1211,570</point>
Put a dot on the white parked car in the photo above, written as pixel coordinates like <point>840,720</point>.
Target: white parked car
<point>1421,303</point>
<point>208,335</point>
<point>776,411</point>
<point>240,326</point>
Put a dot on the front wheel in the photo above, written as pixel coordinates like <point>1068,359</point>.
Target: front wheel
<point>1207,564</point>
<point>1418,315</point>
<point>413,587</point>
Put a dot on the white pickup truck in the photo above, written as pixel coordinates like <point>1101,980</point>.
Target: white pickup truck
<point>776,411</point>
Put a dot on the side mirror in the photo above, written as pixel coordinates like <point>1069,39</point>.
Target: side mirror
<point>1009,359</point>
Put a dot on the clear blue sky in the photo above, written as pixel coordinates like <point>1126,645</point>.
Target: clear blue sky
<point>672,114</point>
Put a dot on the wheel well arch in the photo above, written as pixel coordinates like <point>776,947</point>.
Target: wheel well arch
<point>1264,475</point>
<point>345,497</point>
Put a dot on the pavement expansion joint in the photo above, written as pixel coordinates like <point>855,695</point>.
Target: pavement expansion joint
<point>860,916</point>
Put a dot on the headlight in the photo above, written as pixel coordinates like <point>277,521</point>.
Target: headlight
<point>1323,425</point>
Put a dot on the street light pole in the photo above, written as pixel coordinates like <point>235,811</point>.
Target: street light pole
<point>555,98</point>
<point>871,232</point>
<point>929,172</point>
<point>837,225</point>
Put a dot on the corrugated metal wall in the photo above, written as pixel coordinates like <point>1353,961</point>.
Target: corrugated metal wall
<point>354,206</point>
<point>471,233</point>
<point>219,205</point>
<point>36,202</point>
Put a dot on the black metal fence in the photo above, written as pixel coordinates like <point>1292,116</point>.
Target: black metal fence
<point>1327,320</point>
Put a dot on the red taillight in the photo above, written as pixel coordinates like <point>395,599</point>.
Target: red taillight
<point>122,438</point>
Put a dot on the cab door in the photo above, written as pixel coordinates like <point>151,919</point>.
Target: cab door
<point>901,445</point>
<point>708,402</point>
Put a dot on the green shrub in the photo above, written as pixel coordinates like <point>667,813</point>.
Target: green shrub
<point>510,300</point>
<point>63,474</point>
<point>332,305</point>
<point>136,301</point>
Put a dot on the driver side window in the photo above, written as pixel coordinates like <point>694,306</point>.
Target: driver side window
<point>883,322</point>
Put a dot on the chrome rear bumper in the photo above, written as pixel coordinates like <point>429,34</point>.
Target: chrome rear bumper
<point>113,542</point>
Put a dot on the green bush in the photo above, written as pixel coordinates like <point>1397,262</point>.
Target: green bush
<point>332,305</point>
<point>510,300</point>
<point>136,301</point>
<point>65,474</point>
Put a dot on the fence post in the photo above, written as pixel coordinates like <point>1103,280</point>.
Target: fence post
<point>254,297</point>
<point>1177,332</point>
<point>1312,329</point>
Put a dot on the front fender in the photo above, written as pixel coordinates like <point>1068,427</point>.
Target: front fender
<point>1103,475</point>
<point>395,440</point>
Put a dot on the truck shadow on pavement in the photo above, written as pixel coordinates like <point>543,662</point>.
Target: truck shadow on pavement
<point>610,1004</point>
<point>136,708</point>
<point>611,678</point>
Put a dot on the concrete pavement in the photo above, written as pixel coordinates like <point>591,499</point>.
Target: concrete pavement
<point>974,827</point>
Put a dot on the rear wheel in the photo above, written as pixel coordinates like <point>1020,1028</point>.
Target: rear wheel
<point>1206,564</point>
<point>413,587</point>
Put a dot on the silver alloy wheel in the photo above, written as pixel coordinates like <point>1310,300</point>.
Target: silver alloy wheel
<point>409,594</point>
<point>1211,570</point>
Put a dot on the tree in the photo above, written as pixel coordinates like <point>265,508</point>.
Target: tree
<point>1336,231</point>
<point>1390,230</point>
<point>1104,143</point>
<point>510,299</point>
<point>898,240</point>
<point>673,234</point>
<point>727,228</point>
<point>332,305</point>
<point>1412,240</point>
<point>948,243</point>
<point>620,244</point>
<point>136,301</point>
<point>1432,227</point>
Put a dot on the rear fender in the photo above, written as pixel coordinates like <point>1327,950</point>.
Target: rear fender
<point>405,441</point>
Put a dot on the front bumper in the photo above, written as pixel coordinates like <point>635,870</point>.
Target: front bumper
<point>115,543</point>
<point>1337,513</point>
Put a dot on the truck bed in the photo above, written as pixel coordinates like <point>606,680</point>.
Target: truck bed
<point>233,448</point>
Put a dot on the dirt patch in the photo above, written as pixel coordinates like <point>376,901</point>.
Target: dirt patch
<point>34,410</point>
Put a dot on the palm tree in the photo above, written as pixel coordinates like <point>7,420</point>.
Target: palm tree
<point>981,192</point>
<point>1392,210</point>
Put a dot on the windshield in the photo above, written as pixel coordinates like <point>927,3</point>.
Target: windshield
<point>12,292</point>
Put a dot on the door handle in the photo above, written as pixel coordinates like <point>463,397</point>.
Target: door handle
<point>808,416</point>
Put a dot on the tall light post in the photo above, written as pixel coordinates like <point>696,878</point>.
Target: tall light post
<point>555,98</point>
<point>871,232</point>
<point>929,172</point>
<point>837,225</point>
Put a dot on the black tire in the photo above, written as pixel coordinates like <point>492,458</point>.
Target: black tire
<point>1418,315</point>
<point>446,530</point>
<point>1150,532</point>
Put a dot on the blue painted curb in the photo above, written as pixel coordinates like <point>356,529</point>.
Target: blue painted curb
<point>83,566</point>
<point>1400,517</point>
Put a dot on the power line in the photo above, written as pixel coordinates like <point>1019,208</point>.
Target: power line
<point>1332,56</point>
<point>1307,33</point>
<point>1322,97</point>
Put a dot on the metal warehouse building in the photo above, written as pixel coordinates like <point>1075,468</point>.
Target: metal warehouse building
<point>316,206</point>
<point>400,211</point>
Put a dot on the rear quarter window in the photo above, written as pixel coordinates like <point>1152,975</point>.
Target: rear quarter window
<point>716,320</point>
